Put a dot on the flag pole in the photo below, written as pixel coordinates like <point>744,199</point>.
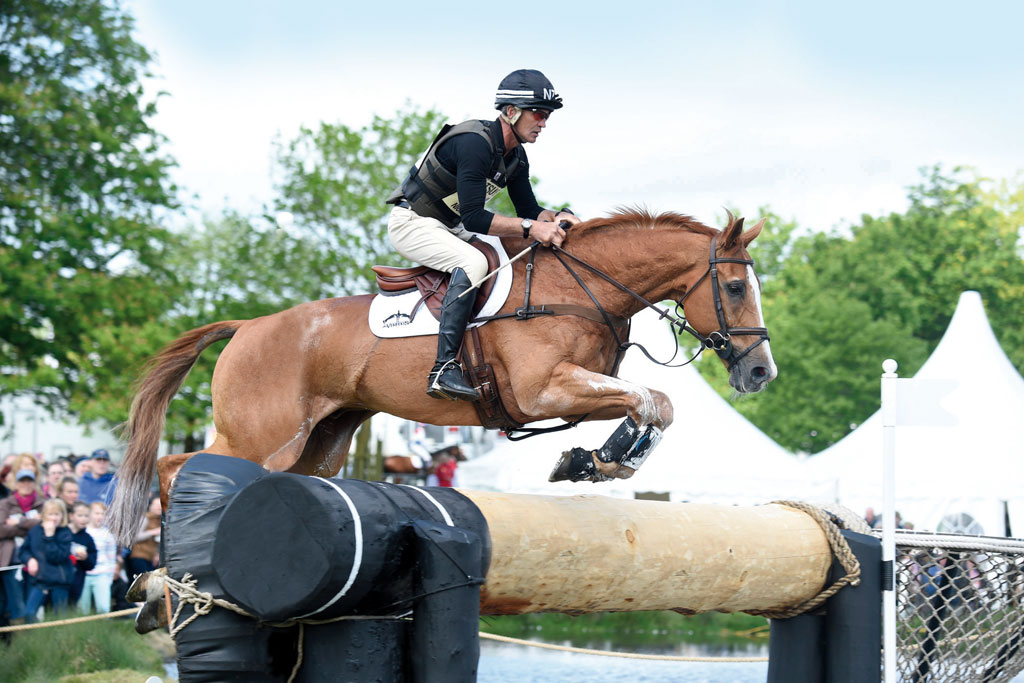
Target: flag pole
<point>889,413</point>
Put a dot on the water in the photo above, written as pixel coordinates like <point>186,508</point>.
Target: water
<point>508,663</point>
<point>504,663</point>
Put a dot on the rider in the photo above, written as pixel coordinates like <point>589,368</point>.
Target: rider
<point>440,206</point>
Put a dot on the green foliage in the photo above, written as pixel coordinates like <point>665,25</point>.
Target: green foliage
<point>49,654</point>
<point>772,247</point>
<point>82,186</point>
<point>839,305</point>
<point>335,179</point>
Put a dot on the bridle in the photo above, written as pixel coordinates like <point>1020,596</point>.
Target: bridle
<point>719,340</point>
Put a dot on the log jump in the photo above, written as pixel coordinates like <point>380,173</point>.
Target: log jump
<point>401,574</point>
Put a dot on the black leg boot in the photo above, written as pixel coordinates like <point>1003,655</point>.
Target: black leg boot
<point>446,380</point>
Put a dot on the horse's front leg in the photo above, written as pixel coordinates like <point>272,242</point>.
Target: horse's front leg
<point>648,413</point>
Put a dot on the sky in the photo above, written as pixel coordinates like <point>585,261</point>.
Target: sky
<point>820,111</point>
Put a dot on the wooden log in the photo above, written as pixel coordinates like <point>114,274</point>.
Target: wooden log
<point>593,554</point>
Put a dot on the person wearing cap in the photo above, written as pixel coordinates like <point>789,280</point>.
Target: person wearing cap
<point>440,206</point>
<point>19,512</point>
<point>98,483</point>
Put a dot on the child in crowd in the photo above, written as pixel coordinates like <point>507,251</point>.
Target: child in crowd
<point>83,548</point>
<point>98,579</point>
<point>46,555</point>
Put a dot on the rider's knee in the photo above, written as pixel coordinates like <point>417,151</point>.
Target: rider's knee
<point>476,267</point>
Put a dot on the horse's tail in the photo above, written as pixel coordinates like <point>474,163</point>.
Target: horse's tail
<point>165,374</point>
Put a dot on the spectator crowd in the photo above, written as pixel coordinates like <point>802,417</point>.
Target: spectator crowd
<point>56,553</point>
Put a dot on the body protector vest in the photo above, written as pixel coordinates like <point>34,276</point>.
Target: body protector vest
<point>431,189</point>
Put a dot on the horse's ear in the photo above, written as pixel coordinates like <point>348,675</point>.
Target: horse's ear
<point>748,237</point>
<point>732,232</point>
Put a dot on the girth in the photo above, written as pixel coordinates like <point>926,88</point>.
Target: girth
<point>432,284</point>
<point>490,408</point>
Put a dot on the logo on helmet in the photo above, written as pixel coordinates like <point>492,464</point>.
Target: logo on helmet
<point>550,94</point>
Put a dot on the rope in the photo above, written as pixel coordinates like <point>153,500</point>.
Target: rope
<point>66,622</point>
<point>625,655</point>
<point>841,551</point>
<point>202,602</point>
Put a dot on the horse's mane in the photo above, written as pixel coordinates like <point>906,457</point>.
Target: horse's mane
<point>637,218</point>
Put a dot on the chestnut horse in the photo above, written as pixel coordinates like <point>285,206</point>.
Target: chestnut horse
<point>290,389</point>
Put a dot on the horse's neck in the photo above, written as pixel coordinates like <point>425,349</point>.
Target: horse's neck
<point>655,263</point>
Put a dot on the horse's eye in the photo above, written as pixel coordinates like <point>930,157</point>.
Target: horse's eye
<point>736,288</point>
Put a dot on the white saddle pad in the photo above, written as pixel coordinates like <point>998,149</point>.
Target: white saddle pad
<point>391,316</point>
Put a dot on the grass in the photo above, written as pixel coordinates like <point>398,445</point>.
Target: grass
<point>640,630</point>
<point>97,651</point>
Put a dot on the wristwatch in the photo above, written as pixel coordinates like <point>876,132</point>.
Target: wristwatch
<point>527,224</point>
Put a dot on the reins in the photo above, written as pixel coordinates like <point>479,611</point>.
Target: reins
<point>720,340</point>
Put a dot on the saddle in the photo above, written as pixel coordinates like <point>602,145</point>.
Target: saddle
<point>432,284</point>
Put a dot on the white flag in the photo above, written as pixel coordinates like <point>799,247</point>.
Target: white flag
<point>918,402</point>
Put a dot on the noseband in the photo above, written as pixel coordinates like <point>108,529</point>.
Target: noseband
<point>721,339</point>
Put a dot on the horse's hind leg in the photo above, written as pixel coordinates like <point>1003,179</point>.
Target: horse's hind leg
<point>167,469</point>
<point>147,587</point>
<point>327,446</point>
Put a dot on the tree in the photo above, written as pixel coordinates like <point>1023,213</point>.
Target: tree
<point>238,268</point>
<point>841,304</point>
<point>83,184</point>
<point>335,179</point>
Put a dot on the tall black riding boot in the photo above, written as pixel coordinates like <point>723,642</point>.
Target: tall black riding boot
<point>446,380</point>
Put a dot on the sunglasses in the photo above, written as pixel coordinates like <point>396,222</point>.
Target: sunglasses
<point>540,114</point>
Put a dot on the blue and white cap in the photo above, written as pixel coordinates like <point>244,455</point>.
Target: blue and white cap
<point>527,88</point>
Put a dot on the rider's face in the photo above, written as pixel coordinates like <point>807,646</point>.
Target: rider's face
<point>531,123</point>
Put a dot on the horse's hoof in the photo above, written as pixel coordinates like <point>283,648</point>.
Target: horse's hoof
<point>576,465</point>
<point>147,586</point>
<point>152,616</point>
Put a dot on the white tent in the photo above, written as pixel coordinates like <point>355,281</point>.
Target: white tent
<point>711,453</point>
<point>959,473</point>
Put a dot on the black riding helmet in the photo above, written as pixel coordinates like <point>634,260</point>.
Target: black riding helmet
<point>527,89</point>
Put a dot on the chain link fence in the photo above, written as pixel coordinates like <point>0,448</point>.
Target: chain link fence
<point>959,607</point>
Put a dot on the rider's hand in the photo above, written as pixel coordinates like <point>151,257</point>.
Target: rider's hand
<point>569,218</point>
<point>547,233</point>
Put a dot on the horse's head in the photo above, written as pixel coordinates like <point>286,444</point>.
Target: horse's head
<point>724,306</point>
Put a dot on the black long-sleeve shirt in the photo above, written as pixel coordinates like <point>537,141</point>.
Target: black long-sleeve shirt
<point>468,157</point>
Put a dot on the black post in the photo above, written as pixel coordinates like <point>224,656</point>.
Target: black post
<point>446,618</point>
<point>853,619</point>
<point>368,651</point>
<point>843,645</point>
<point>796,649</point>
